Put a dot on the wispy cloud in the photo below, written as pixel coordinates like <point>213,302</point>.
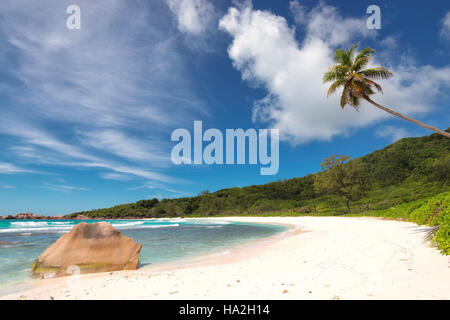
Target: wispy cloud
<point>123,146</point>
<point>43,148</point>
<point>96,74</point>
<point>9,168</point>
<point>90,98</point>
<point>193,16</point>
<point>393,133</point>
<point>155,186</point>
<point>6,186</point>
<point>324,22</point>
<point>63,188</point>
<point>445,28</point>
<point>116,176</point>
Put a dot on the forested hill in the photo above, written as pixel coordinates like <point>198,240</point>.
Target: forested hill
<point>404,172</point>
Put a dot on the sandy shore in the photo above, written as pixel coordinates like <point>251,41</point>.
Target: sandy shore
<point>318,258</point>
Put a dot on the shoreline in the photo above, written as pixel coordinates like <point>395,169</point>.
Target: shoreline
<point>195,260</point>
<point>235,252</point>
<point>316,258</point>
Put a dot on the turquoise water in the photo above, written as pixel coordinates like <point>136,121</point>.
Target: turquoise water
<point>163,240</point>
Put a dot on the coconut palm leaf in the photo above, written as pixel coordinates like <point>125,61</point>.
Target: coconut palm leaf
<point>334,86</point>
<point>376,73</point>
<point>362,59</point>
<point>345,95</point>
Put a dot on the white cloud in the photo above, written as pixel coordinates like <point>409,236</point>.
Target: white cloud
<point>193,16</point>
<point>324,22</point>
<point>8,168</point>
<point>264,49</point>
<point>445,29</point>
<point>393,133</point>
<point>299,12</point>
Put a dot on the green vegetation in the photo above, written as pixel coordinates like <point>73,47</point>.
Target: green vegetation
<point>342,178</point>
<point>358,83</point>
<point>409,179</point>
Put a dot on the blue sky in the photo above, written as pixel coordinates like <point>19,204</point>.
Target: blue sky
<point>87,114</point>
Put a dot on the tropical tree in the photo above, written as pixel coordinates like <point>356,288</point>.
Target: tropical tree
<point>343,178</point>
<point>358,83</point>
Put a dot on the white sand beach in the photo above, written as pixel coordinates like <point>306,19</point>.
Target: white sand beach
<point>318,258</point>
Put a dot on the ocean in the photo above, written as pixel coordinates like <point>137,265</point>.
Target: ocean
<point>163,240</point>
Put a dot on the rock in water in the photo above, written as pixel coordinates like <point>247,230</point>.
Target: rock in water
<point>93,247</point>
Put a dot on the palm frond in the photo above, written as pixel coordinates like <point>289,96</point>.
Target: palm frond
<point>341,56</point>
<point>356,86</point>
<point>336,72</point>
<point>350,53</point>
<point>365,52</point>
<point>431,234</point>
<point>334,86</point>
<point>345,95</point>
<point>376,73</point>
<point>360,63</point>
<point>354,101</point>
<point>361,87</point>
<point>376,85</point>
<point>329,76</point>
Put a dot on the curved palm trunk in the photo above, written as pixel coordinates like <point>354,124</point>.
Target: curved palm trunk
<point>444,133</point>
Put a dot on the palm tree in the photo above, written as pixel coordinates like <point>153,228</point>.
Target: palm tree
<point>358,83</point>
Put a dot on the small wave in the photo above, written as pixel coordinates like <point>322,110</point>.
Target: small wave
<point>42,230</point>
<point>177,220</point>
<point>170,219</point>
<point>126,224</point>
<point>206,221</point>
<point>30,224</point>
<point>62,228</point>
<point>159,226</point>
